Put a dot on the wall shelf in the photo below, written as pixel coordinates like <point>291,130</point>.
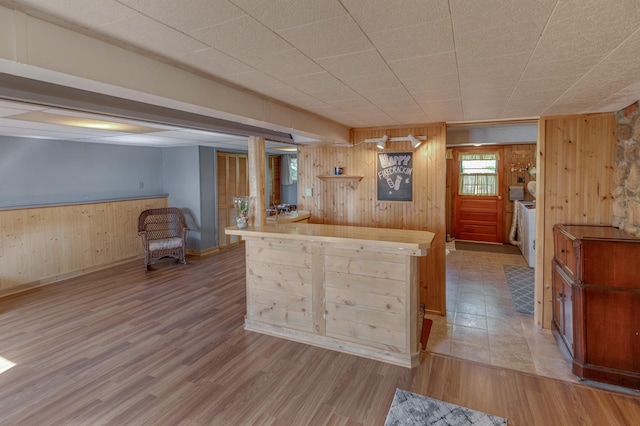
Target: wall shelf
<point>341,178</point>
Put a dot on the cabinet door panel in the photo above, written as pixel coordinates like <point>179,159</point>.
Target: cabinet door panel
<point>563,306</point>
<point>612,327</point>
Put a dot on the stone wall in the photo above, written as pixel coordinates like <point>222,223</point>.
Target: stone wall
<point>626,204</point>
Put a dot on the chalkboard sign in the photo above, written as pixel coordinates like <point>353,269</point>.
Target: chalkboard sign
<point>394,174</point>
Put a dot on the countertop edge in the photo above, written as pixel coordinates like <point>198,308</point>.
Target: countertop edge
<point>278,230</point>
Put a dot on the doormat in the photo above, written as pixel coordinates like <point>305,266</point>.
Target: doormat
<point>409,408</point>
<point>491,248</point>
<point>521,283</point>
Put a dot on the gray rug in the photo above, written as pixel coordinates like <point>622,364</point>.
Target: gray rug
<point>409,408</point>
<point>521,283</point>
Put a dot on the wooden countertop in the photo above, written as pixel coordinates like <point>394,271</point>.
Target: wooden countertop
<point>418,242</point>
<point>288,218</point>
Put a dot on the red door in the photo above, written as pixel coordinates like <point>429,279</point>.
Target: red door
<point>478,195</point>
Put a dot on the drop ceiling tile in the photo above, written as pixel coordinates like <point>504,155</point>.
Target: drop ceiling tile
<point>88,14</point>
<point>332,37</point>
<point>198,14</point>
<point>446,107</point>
<point>563,67</point>
<point>399,94</point>
<point>486,96</point>
<point>424,66</point>
<point>428,84</point>
<point>411,118</point>
<point>471,16</point>
<point>243,38</point>
<point>255,80</point>
<point>214,62</point>
<point>544,86</point>
<point>489,43</point>
<point>531,108</point>
<point>317,82</point>
<point>354,64</point>
<point>364,83</point>
<point>371,112</point>
<point>415,41</point>
<point>575,30</point>
<point>488,112</point>
<point>488,83</point>
<point>382,15</point>
<point>289,63</point>
<point>351,104</point>
<point>501,66</point>
<point>336,95</point>
<point>281,14</point>
<point>441,93</point>
<point>392,106</point>
<point>146,33</point>
<point>619,100</point>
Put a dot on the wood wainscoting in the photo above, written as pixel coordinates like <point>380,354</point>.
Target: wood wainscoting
<point>45,244</point>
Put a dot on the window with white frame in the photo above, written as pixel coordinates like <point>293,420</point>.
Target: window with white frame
<point>478,174</point>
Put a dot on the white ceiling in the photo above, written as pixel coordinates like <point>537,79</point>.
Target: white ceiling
<point>389,62</point>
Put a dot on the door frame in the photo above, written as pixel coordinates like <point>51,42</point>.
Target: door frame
<point>499,197</point>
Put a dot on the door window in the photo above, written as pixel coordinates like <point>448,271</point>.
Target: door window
<point>478,174</point>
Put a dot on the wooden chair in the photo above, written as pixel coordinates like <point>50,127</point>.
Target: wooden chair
<point>164,234</point>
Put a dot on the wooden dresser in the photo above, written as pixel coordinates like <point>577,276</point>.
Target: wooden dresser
<point>596,309</point>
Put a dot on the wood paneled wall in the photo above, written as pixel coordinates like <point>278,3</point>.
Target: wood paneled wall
<point>273,180</point>
<point>510,179</point>
<point>233,181</point>
<point>575,169</point>
<point>46,244</point>
<point>349,203</point>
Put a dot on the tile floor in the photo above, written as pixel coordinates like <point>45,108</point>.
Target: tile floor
<point>482,324</point>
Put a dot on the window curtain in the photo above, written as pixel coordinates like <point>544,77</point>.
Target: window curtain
<point>478,184</point>
<point>471,156</point>
<point>285,170</point>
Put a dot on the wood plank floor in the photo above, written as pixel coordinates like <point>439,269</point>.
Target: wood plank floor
<point>126,346</point>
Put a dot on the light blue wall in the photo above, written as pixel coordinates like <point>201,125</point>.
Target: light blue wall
<point>37,171</point>
<point>289,193</point>
<point>181,170</point>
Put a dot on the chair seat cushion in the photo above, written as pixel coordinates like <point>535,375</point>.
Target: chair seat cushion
<point>165,244</point>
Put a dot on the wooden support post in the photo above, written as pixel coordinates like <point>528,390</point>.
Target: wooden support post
<point>257,177</point>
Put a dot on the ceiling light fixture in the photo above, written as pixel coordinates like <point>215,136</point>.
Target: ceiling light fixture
<point>416,141</point>
<point>382,142</point>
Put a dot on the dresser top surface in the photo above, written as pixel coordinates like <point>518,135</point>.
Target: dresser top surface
<point>594,232</point>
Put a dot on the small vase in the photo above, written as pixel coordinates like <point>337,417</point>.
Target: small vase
<point>242,222</point>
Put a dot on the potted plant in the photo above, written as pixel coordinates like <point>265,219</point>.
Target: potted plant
<point>242,211</point>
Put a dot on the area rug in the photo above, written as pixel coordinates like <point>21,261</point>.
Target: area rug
<point>409,408</point>
<point>491,248</point>
<point>521,284</point>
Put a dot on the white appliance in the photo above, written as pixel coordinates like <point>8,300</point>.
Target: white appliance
<point>527,230</point>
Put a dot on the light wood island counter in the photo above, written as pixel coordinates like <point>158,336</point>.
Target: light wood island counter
<point>346,288</point>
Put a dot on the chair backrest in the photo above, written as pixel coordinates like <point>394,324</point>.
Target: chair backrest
<point>162,223</point>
